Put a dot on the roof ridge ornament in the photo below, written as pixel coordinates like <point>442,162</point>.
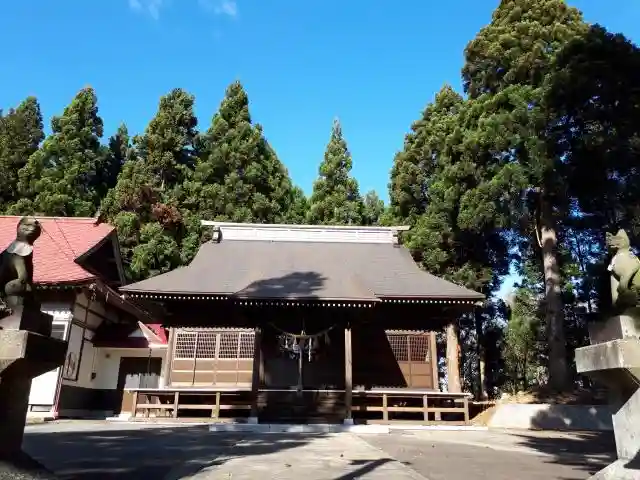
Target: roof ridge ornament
<point>308,233</point>
<point>216,236</point>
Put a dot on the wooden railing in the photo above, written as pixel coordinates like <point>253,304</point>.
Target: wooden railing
<point>168,402</point>
<point>430,404</point>
<point>425,406</point>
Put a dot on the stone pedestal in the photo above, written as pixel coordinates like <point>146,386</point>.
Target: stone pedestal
<point>23,355</point>
<point>613,359</point>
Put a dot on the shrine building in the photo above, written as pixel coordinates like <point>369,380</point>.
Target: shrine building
<point>300,323</point>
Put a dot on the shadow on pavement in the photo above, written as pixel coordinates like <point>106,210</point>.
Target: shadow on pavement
<point>587,451</point>
<point>152,453</point>
<point>364,467</point>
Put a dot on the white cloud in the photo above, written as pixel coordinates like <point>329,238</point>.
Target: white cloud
<point>228,8</point>
<point>150,7</point>
<point>220,7</point>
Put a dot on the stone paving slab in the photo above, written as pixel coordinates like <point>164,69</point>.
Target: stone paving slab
<point>338,456</point>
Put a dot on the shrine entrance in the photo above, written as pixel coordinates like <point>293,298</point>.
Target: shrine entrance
<point>303,369</point>
<point>304,358</point>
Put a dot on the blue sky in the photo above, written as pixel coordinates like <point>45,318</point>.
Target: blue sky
<point>374,64</point>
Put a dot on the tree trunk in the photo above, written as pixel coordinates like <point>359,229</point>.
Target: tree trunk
<point>480,353</point>
<point>453,359</point>
<point>554,315</point>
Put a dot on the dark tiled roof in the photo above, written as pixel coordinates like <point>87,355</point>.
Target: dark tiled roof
<point>257,269</point>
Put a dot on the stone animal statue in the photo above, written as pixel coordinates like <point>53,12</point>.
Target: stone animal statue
<point>624,267</point>
<point>16,266</point>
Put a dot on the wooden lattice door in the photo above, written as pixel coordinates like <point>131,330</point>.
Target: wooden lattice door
<point>411,351</point>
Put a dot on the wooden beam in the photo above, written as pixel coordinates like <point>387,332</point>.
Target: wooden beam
<point>348,372</point>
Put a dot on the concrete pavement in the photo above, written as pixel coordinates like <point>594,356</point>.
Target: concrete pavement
<point>338,456</point>
<point>500,455</point>
<point>101,450</point>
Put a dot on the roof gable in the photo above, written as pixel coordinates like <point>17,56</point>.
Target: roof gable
<point>62,242</point>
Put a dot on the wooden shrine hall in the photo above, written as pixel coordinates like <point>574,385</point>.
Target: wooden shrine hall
<point>301,323</point>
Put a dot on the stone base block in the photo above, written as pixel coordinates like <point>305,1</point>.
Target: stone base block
<point>22,467</point>
<point>625,325</point>
<point>26,354</point>
<point>23,356</point>
<point>623,354</point>
<point>28,318</point>
<point>618,470</point>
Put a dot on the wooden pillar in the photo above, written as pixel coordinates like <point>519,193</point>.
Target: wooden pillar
<point>257,373</point>
<point>168,356</point>
<point>134,405</point>
<point>433,347</point>
<point>348,375</point>
<point>176,404</point>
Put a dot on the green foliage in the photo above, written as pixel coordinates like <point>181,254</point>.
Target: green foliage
<point>156,234</point>
<point>521,338</point>
<point>452,236</point>
<point>336,199</point>
<point>298,207</point>
<point>21,131</point>
<point>506,74</point>
<point>414,167</point>
<point>507,66</point>
<point>373,208</point>
<point>238,176</point>
<point>519,44</point>
<point>63,178</point>
<point>593,109</point>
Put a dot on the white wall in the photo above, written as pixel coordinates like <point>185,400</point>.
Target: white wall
<point>44,387</point>
<point>103,363</point>
<point>80,350</point>
<point>78,365</point>
<point>108,363</point>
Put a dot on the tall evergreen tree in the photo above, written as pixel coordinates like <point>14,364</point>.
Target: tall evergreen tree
<point>442,240</point>
<point>299,207</point>
<point>336,199</point>
<point>239,176</point>
<point>21,132</point>
<point>413,167</point>
<point>504,74</point>
<point>156,234</point>
<point>373,209</point>
<point>61,178</point>
<point>120,151</point>
<point>593,107</point>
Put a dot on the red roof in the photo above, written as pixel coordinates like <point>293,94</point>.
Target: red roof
<point>159,331</point>
<point>152,334</point>
<point>63,240</point>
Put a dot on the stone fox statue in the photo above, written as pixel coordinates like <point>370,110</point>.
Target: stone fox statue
<point>16,265</point>
<point>624,267</point>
